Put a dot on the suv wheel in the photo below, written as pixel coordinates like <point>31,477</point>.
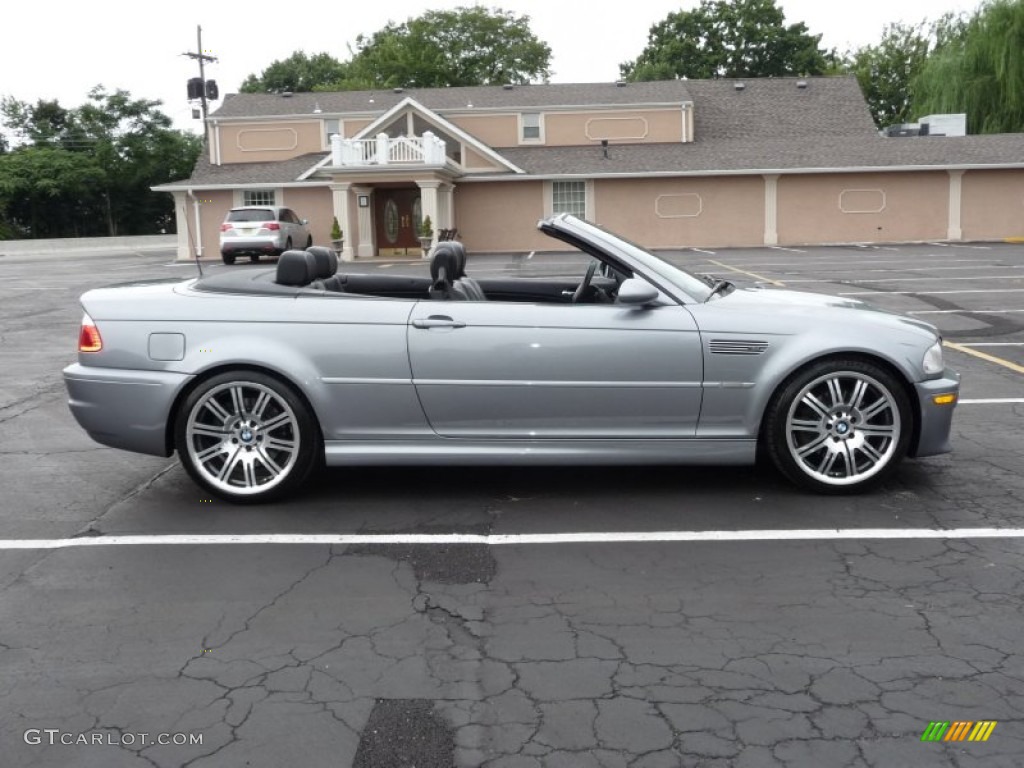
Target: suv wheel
<point>227,258</point>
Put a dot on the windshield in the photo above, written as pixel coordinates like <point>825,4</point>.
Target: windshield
<point>694,286</point>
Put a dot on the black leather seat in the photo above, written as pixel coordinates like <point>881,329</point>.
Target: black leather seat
<point>445,268</point>
<point>450,257</point>
<point>296,268</point>
<point>326,261</point>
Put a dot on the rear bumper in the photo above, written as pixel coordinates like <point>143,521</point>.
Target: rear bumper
<point>936,421</point>
<point>248,245</point>
<point>123,408</point>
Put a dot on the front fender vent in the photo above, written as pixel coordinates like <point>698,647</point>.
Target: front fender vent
<point>737,347</point>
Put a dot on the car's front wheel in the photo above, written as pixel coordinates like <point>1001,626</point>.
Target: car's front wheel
<point>246,437</point>
<point>840,426</point>
<point>227,258</point>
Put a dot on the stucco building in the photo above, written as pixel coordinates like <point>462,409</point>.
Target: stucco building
<point>780,161</point>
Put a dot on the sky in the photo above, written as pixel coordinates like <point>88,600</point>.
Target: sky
<point>61,49</point>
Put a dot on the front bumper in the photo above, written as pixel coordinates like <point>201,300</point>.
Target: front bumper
<point>123,408</point>
<point>936,421</point>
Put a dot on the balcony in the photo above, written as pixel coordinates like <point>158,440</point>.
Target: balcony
<point>383,150</point>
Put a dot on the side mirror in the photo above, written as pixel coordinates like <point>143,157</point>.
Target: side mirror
<point>636,292</point>
<point>305,221</point>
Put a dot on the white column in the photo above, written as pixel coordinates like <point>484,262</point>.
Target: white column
<point>341,201</point>
<point>382,149</point>
<point>366,248</point>
<point>182,225</point>
<point>955,231</point>
<point>428,201</point>
<point>771,209</point>
<point>446,207</point>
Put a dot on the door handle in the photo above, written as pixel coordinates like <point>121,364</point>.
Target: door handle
<point>437,321</point>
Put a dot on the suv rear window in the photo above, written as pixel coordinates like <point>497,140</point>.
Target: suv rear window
<point>251,215</point>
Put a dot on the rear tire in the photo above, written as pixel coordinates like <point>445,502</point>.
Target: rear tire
<point>254,258</point>
<point>247,437</point>
<point>839,426</point>
<point>227,258</point>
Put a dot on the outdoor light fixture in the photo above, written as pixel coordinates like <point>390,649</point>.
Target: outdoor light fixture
<point>364,201</point>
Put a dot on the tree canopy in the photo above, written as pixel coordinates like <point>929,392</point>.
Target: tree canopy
<point>465,46</point>
<point>298,73</point>
<point>719,38</point>
<point>886,70</point>
<point>88,170</point>
<point>978,69</point>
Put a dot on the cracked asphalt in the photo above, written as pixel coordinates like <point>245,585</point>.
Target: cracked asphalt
<point>709,654</point>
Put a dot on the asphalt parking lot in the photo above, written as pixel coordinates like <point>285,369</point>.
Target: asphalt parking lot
<point>471,633</point>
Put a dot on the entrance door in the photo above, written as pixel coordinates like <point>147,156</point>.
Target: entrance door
<point>397,221</point>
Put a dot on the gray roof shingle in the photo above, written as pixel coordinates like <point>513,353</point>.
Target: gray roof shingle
<point>443,99</point>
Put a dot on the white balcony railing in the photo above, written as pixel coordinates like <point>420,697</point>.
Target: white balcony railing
<point>427,149</point>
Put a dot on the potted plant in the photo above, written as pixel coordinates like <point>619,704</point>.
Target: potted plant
<point>426,235</point>
<point>337,236</point>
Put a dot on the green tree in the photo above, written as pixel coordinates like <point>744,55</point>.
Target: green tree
<point>719,38</point>
<point>298,73</point>
<point>88,171</point>
<point>464,46</point>
<point>886,70</point>
<point>978,68</point>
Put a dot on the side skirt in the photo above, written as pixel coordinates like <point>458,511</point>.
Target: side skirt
<point>527,452</point>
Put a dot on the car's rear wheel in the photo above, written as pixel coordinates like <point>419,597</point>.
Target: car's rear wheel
<point>227,258</point>
<point>255,258</point>
<point>840,426</point>
<point>246,437</point>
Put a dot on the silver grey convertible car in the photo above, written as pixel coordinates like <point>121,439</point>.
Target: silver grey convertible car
<point>257,377</point>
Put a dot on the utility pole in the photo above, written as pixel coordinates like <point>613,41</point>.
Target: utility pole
<point>203,59</point>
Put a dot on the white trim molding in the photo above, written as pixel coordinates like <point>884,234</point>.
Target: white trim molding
<point>642,134</point>
<point>879,209</point>
<point>294,133</point>
<point>771,209</point>
<point>699,209</point>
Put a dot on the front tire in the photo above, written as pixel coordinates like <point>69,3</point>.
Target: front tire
<point>839,426</point>
<point>246,437</point>
<point>227,258</point>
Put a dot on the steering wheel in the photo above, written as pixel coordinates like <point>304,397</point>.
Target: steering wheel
<point>581,289</point>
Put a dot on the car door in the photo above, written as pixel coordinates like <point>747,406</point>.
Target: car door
<point>521,370</point>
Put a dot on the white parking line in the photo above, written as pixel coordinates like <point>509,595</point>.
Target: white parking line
<point>992,343</point>
<point>780,248</point>
<point>701,250</point>
<point>497,539</point>
<point>991,401</point>
<point>905,279</point>
<point>932,293</point>
<point>964,311</point>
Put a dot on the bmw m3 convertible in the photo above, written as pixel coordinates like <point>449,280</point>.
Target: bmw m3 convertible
<point>256,377</point>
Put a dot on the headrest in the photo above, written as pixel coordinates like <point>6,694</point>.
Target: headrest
<point>296,268</point>
<point>326,260</point>
<point>449,256</point>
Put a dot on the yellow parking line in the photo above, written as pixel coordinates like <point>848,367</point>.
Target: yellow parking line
<point>744,272</point>
<point>984,356</point>
<point>1013,239</point>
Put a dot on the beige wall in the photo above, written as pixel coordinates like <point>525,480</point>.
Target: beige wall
<point>473,160</point>
<point>352,127</point>
<point>633,126</point>
<point>259,142</point>
<point>492,130</point>
<point>314,204</point>
<point>676,213</point>
<point>992,204</point>
<point>502,216</point>
<point>890,207</point>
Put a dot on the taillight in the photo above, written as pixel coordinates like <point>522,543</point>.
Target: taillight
<point>89,336</point>
<point>225,227</point>
<point>272,225</point>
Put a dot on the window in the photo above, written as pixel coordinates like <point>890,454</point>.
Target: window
<point>530,130</point>
<point>569,197</point>
<point>331,127</point>
<point>258,197</point>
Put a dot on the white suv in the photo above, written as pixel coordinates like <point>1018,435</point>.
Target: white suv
<point>256,230</point>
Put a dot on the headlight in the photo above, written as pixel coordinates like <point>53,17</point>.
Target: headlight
<point>932,362</point>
